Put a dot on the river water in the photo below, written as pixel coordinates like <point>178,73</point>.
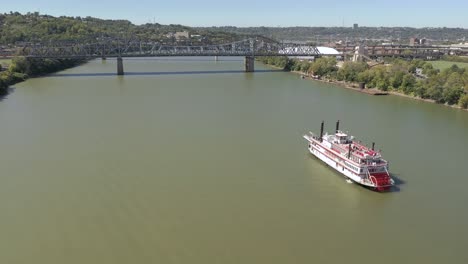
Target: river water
<point>188,160</point>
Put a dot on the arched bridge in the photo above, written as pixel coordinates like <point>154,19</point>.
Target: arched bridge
<point>248,48</point>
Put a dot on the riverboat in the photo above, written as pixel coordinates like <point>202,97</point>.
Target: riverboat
<point>349,157</point>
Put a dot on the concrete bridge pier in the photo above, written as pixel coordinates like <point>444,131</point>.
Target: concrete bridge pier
<point>249,64</point>
<point>216,58</point>
<point>120,70</point>
<point>103,56</point>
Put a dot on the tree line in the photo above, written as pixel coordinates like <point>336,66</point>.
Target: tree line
<point>22,68</point>
<point>415,78</point>
<point>34,27</point>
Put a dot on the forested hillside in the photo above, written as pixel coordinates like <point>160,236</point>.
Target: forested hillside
<point>35,27</point>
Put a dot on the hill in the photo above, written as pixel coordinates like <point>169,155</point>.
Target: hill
<point>34,27</point>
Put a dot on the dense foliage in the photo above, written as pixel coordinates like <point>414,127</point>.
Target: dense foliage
<point>21,68</point>
<point>34,27</point>
<point>416,78</point>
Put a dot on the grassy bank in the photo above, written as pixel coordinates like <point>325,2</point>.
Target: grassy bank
<point>5,61</point>
<point>442,65</point>
<point>21,68</point>
<point>4,64</point>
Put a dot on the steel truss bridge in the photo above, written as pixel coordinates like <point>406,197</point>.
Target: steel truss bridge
<point>137,48</point>
<point>118,48</point>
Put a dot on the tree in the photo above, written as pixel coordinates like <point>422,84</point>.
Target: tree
<point>365,77</point>
<point>396,79</point>
<point>382,84</point>
<point>408,83</point>
<point>463,102</point>
<point>452,95</point>
<point>436,93</point>
<point>305,66</point>
<point>420,90</point>
<point>428,69</point>
<point>19,64</point>
<point>454,80</point>
<point>350,71</point>
<point>2,85</point>
<point>379,77</point>
<point>323,66</point>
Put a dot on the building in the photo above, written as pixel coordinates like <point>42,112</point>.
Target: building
<point>360,53</point>
<point>414,41</point>
<point>181,35</point>
<point>355,26</point>
<point>178,36</point>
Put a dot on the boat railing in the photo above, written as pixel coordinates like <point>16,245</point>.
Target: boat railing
<point>368,175</point>
<point>314,136</point>
<point>388,174</point>
<point>310,136</point>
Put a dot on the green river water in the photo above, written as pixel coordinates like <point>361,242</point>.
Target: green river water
<point>188,160</point>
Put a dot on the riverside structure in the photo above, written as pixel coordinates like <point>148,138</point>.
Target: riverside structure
<point>248,48</point>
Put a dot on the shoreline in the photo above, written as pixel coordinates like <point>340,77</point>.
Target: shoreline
<point>353,88</point>
<point>10,78</point>
<point>347,85</point>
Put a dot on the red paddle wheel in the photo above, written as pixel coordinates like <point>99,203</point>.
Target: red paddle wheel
<point>382,181</point>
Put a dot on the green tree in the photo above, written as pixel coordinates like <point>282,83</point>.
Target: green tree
<point>380,78</point>
<point>396,79</point>
<point>408,83</point>
<point>420,90</point>
<point>365,77</point>
<point>452,95</point>
<point>350,71</point>
<point>463,102</point>
<point>436,93</point>
<point>305,66</point>
<point>323,66</point>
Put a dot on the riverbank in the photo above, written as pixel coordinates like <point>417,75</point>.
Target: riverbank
<point>373,91</point>
<point>416,79</point>
<point>343,84</point>
<point>347,85</point>
<point>21,69</point>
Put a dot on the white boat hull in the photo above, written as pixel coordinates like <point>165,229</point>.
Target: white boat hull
<point>319,153</point>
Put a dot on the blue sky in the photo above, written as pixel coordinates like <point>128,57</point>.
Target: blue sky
<point>416,13</point>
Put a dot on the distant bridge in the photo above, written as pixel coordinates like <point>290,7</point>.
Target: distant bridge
<point>138,48</point>
<point>117,48</point>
